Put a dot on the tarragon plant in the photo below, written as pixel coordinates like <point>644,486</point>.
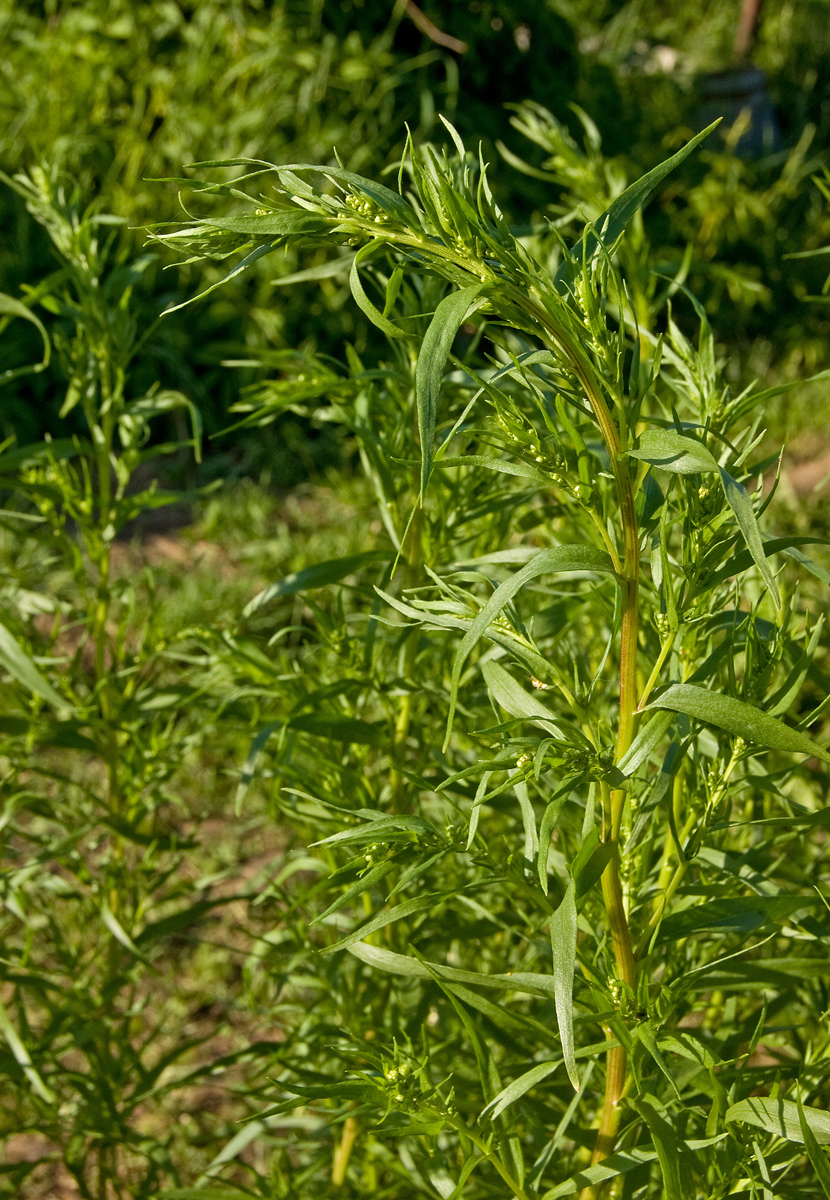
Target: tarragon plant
<point>594,894</point>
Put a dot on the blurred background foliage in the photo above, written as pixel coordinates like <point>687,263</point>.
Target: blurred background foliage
<point>117,95</point>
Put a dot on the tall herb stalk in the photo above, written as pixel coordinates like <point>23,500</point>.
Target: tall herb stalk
<point>640,798</point>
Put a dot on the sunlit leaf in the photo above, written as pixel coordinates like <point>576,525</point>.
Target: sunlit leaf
<point>738,718</point>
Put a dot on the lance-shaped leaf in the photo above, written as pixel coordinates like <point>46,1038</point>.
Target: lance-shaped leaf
<point>561,558</point>
<point>563,930</point>
<point>514,699</point>
<point>671,1151</point>
<point>391,203</point>
<point>613,221</point>
<point>740,502</point>
<point>362,300</point>
<point>449,316</point>
<point>402,964</point>
<point>816,1155</point>
<point>647,740</point>
<point>318,575</point>
<point>782,1118</point>
<point>671,451</point>
<point>679,455</point>
<point>21,667</point>
<point>738,718</point>
<point>10,307</point>
<point>287,222</point>
<point>519,1087</point>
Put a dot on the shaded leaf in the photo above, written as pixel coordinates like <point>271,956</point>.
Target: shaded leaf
<point>782,1118</point>
<point>319,575</point>
<point>350,730</point>
<point>9,307</point>
<point>563,931</point>
<point>738,914</point>
<point>815,1154</point>
<point>671,1151</point>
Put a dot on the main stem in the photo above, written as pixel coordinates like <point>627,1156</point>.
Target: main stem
<point>612,892</point>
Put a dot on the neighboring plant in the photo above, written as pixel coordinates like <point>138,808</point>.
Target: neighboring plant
<point>118,94</point>
<point>576,899</point>
<point>101,718</point>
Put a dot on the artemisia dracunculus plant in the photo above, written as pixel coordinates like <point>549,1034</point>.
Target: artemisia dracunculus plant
<point>634,711</point>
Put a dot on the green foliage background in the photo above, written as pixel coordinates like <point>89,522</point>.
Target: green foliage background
<point>116,94</point>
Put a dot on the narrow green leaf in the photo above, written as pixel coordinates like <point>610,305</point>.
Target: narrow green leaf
<point>782,1118</point>
<point>288,222</point>
<point>118,931</point>
<point>815,1154</point>
<point>364,884</point>
<point>336,266</point>
<point>9,307</point>
<point>546,562</point>
<point>616,1164</point>
<point>740,502</point>
<point>738,718</point>
<point>613,221</point>
<point>393,287</point>
<point>789,545</point>
<point>402,964</point>
<point>177,922</point>
<point>21,667</point>
<point>549,819</point>
<point>449,316</point>
<point>672,452</point>
<point>381,829</point>
<point>590,863</point>
<point>519,1087</point>
<point>257,745</point>
<point>503,465</point>
<point>563,929</point>
<point>739,914</point>
<point>247,261</point>
<point>646,741</point>
<point>362,300</point>
<point>22,1057</point>
<point>518,703</point>
<point>407,909</point>
<point>391,203</point>
<point>672,1153</point>
<point>319,575</point>
<point>343,1089</point>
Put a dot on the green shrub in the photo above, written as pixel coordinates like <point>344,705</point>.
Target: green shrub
<point>565,927</point>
